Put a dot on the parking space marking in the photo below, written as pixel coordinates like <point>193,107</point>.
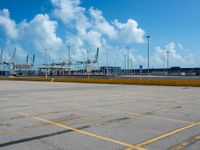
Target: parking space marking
<point>127,111</point>
<point>186,143</point>
<point>43,124</point>
<point>86,133</point>
<point>165,135</point>
<point>152,113</point>
<point>133,115</point>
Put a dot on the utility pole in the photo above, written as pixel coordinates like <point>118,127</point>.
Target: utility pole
<point>131,61</point>
<point>128,59</point>
<point>69,59</point>
<point>148,37</point>
<point>13,61</point>
<point>163,63</point>
<point>168,62</point>
<point>46,63</point>
<point>107,65</point>
<point>125,64</point>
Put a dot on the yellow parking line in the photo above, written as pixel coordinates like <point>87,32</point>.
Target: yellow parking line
<point>86,133</point>
<point>133,115</point>
<point>76,119</point>
<point>186,143</point>
<point>165,135</point>
<point>164,110</point>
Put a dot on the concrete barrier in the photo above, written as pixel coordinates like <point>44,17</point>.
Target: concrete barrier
<point>195,83</point>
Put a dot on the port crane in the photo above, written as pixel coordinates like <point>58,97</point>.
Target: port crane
<point>60,65</point>
<point>89,62</point>
<point>11,63</point>
<point>26,65</point>
<point>64,63</point>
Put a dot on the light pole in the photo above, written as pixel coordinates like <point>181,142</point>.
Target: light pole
<point>46,73</point>
<point>107,65</point>
<point>124,64</point>
<point>167,62</point>
<point>131,66</point>
<point>163,63</point>
<point>69,59</point>
<point>128,59</point>
<point>1,61</point>
<point>148,37</point>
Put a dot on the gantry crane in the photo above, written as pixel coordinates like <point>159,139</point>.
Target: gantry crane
<point>89,62</point>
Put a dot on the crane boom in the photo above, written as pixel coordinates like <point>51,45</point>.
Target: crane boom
<point>33,61</point>
<point>27,59</point>
<point>96,56</point>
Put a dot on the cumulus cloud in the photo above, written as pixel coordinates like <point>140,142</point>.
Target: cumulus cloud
<point>175,57</point>
<point>130,32</point>
<point>101,24</point>
<point>67,10</point>
<point>8,24</point>
<point>9,49</point>
<point>35,36</point>
<point>42,32</point>
<point>84,30</point>
<point>92,21</point>
<point>71,13</point>
<point>91,29</point>
<point>93,38</point>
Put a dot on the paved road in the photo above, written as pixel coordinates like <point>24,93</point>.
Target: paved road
<point>72,116</point>
<point>134,77</point>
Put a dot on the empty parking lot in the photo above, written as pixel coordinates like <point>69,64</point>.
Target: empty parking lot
<point>75,116</point>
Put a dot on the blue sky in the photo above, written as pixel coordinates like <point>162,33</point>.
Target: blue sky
<point>34,25</point>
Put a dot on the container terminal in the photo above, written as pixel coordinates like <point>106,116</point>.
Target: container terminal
<point>89,68</point>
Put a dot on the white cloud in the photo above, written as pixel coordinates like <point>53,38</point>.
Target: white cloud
<point>93,38</point>
<point>67,10</point>
<point>101,24</point>
<point>129,32</point>
<point>71,14</point>
<point>175,58</point>
<point>42,31</point>
<point>8,24</point>
<point>35,36</point>
<point>180,46</point>
<point>87,30</point>
<point>92,21</point>
<point>76,44</point>
<point>9,49</point>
